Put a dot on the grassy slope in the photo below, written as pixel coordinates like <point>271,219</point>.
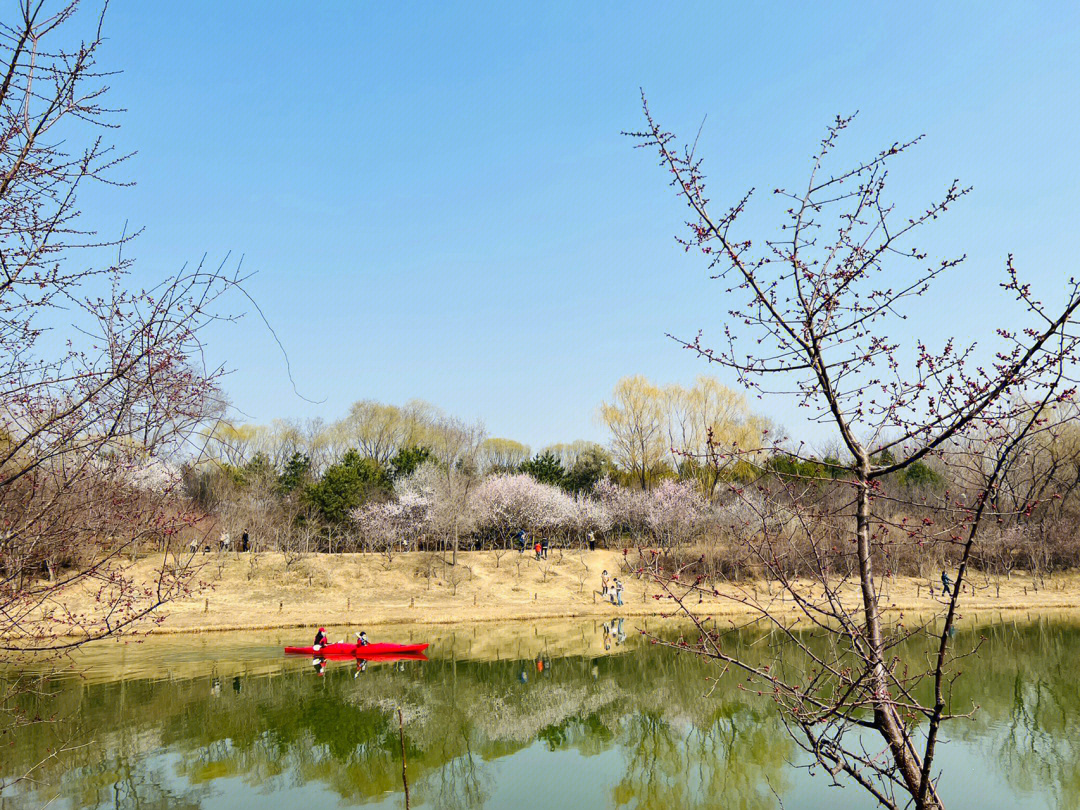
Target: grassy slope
<point>362,589</point>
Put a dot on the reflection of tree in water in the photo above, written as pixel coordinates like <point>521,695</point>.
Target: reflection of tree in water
<point>292,729</point>
<point>687,746</point>
<point>163,743</point>
<point>461,782</point>
<point>1027,683</point>
<point>126,783</point>
<point>524,716</point>
<point>730,764</point>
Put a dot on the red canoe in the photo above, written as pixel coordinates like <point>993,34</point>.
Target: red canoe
<point>349,648</point>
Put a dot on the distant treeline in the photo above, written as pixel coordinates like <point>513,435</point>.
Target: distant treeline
<point>686,469</point>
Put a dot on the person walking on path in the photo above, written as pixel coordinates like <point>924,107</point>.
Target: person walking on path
<point>544,547</point>
<point>521,538</point>
<point>946,583</point>
<point>537,549</point>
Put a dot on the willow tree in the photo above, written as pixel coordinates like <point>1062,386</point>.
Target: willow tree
<point>635,419</point>
<point>375,429</point>
<point>502,455</point>
<point>811,314</point>
<point>706,426</point>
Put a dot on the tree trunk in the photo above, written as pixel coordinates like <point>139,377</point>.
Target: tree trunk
<point>886,718</point>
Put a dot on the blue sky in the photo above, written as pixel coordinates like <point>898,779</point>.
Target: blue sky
<point>439,204</point>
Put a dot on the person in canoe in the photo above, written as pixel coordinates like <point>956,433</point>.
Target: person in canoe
<point>320,639</point>
<point>361,639</point>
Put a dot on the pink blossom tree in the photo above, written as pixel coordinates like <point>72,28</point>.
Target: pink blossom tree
<point>504,503</point>
<point>626,508</point>
<point>392,526</point>
<point>675,512</point>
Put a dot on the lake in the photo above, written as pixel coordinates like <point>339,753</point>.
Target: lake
<point>556,715</point>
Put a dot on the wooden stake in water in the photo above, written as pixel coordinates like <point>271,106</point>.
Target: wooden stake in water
<point>404,780</point>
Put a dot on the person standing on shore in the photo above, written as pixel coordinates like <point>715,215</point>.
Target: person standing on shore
<point>618,592</point>
<point>605,583</point>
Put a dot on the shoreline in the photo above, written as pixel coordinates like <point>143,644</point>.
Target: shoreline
<point>1050,610</point>
<point>244,592</point>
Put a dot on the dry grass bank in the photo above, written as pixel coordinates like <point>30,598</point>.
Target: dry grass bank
<point>246,592</point>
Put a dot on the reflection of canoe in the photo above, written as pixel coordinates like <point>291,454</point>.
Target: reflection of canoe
<point>369,651</point>
<point>378,658</point>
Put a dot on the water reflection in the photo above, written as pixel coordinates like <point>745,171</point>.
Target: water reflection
<point>606,721</point>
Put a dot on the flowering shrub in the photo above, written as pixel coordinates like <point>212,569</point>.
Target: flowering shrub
<point>401,523</point>
<point>627,509</point>
<point>155,475</point>
<point>590,515</point>
<point>671,513</point>
<point>502,504</point>
<point>674,512</point>
<point>393,525</point>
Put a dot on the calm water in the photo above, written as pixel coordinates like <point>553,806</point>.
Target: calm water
<point>225,721</point>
